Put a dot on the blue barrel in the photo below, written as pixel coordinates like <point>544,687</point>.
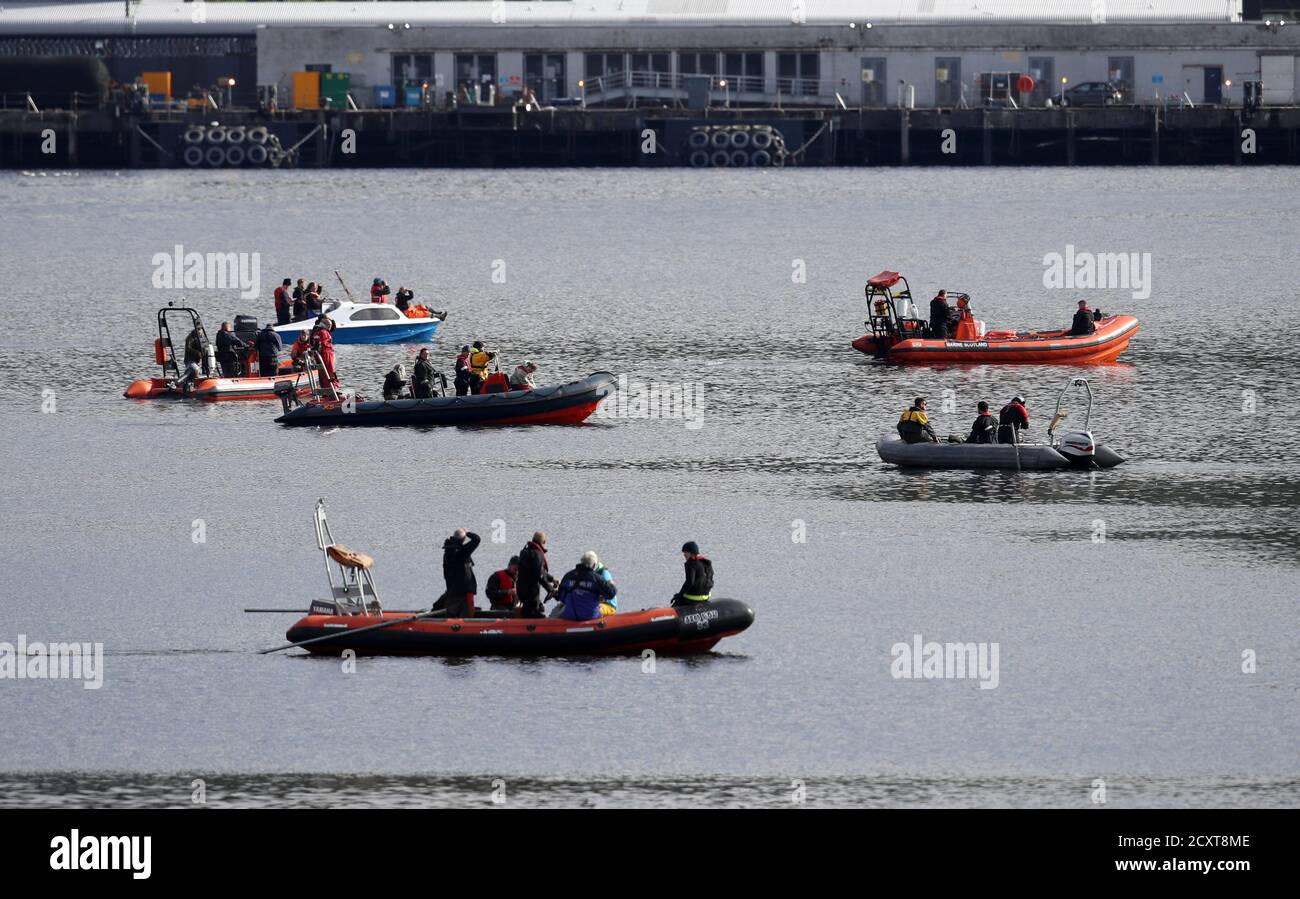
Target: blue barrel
<point>385,96</point>
<point>413,96</point>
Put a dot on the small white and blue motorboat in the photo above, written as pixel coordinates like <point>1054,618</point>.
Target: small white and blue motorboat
<point>369,323</point>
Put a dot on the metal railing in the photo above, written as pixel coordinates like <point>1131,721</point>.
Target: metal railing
<point>625,82</point>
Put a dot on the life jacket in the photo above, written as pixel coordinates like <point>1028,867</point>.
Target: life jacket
<point>497,382</point>
<point>479,361</point>
<point>966,328</point>
<point>462,362</point>
<point>377,293</point>
<point>913,414</point>
<point>281,301</point>
<point>704,580</point>
<point>420,311</point>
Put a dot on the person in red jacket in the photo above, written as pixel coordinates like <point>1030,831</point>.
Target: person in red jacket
<point>1013,419</point>
<point>323,343</point>
<point>379,290</point>
<point>501,591</point>
<point>283,305</point>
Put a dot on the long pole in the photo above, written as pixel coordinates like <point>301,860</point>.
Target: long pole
<point>349,632</point>
<point>345,285</point>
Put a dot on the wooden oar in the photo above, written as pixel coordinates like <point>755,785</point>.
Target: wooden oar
<point>349,631</point>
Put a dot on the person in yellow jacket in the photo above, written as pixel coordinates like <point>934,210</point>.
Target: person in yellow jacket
<point>479,360</point>
<point>914,424</point>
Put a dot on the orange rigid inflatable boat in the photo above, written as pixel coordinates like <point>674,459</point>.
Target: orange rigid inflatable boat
<point>208,385</point>
<point>897,334</point>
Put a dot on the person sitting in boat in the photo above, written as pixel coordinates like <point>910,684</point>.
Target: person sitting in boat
<point>269,345</point>
<point>534,577</point>
<point>914,424</point>
<point>985,428</point>
<point>404,298</point>
<point>395,383</point>
<point>322,341</point>
<point>940,312</point>
<point>698,585</point>
<point>1013,419</point>
<point>378,290</point>
<point>422,379</point>
<point>458,573</point>
<point>582,590</point>
<point>300,301</point>
<point>479,360</point>
<point>282,307</point>
<point>1083,321</point>
<point>522,377</point>
<point>610,605</point>
<point>501,592</point>
<point>298,352</point>
<point>229,348</point>
<point>967,328</point>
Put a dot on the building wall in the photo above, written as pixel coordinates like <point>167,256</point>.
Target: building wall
<point>1176,54</point>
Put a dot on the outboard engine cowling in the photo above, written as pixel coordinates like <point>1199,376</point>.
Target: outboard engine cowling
<point>1078,448</point>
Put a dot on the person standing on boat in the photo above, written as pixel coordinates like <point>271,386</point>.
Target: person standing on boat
<point>379,290</point>
<point>422,379</point>
<point>282,303</point>
<point>985,428</point>
<point>1013,419</point>
<point>311,297</point>
<point>269,345</point>
<point>229,348</point>
<point>479,360</point>
<point>323,343</point>
<point>463,375</point>
<point>501,592</point>
<point>698,585</point>
<point>300,301</point>
<point>939,315</point>
<point>583,590</point>
<point>534,577</point>
<point>914,424</point>
<point>458,573</point>
<point>1083,321</point>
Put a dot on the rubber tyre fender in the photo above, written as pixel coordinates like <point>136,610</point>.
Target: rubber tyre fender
<point>215,156</point>
<point>235,155</point>
<point>257,154</point>
<point>720,159</point>
<point>700,159</point>
<point>697,140</point>
<point>193,156</point>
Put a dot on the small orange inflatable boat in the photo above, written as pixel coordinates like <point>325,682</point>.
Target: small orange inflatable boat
<point>897,334</point>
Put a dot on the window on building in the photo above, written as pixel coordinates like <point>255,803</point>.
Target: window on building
<point>1120,74</point>
<point>544,75</point>
<point>798,74</point>
<point>476,75</point>
<point>411,70</point>
<point>875,85</point>
<point>697,63</point>
<point>1043,70</point>
<point>652,70</point>
<point>947,80</point>
<point>744,71</point>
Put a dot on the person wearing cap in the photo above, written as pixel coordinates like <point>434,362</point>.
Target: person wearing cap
<point>1013,419</point>
<point>501,592</point>
<point>534,577</point>
<point>458,573</point>
<point>985,428</point>
<point>699,577</point>
<point>268,345</point>
<point>522,377</point>
<point>378,290</point>
<point>914,424</point>
<point>939,315</point>
<point>583,590</point>
<point>479,360</point>
<point>1083,321</point>
<point>462,371</point>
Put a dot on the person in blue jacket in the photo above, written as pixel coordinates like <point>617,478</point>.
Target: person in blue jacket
<point>582,590</point>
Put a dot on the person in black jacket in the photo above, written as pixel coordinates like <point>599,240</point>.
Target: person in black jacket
<point>269,346</point>
<point>939,314</point>
<point>534,577</point>
<point>229,350</point>
<point>698,584</point>
<point>1013,419</point>
<point>1083,321</point>
<point>985,428</point>
<point>395,383</point>
<point>458,573</point>
<point>422,380</point>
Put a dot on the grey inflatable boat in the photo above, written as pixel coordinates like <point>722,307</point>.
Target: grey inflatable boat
<point>1023,456</point>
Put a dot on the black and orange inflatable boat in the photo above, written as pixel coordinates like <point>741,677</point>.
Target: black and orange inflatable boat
<point>666,631</point>
<point>897,334</point>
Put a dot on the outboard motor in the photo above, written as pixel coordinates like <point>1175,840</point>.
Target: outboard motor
<point>1078,448</point>
<point>288,397</point>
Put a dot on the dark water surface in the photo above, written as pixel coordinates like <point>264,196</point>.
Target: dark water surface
<point>1120,659</point>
